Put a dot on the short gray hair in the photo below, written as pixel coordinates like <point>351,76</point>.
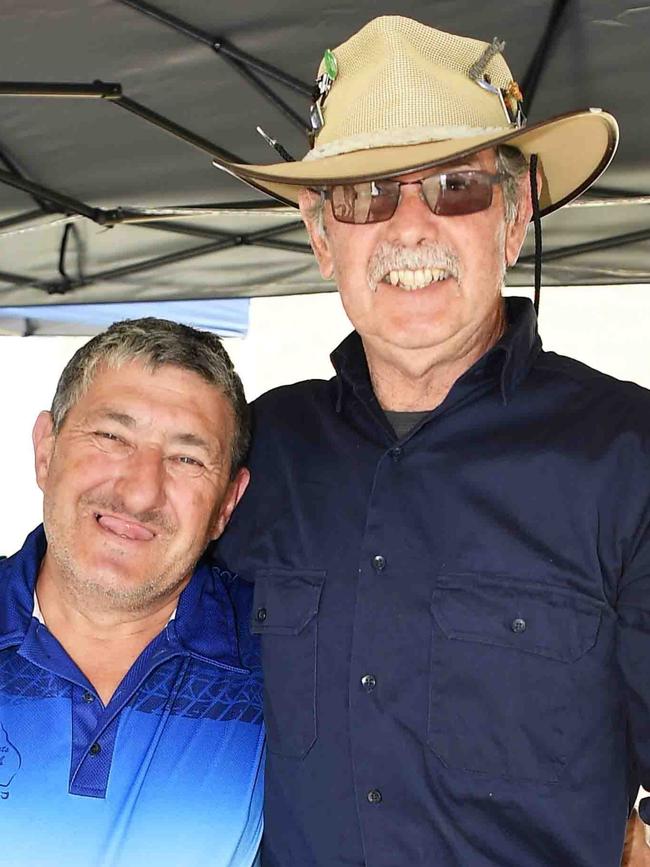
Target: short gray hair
<point>514,165</point>
<point>155,343</point>
<point>510,162</point>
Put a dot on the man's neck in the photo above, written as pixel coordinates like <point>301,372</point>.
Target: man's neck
<point>103,644</point>
<point>413,380</point>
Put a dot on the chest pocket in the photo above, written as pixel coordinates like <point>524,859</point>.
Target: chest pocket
<point>505,657</point>
<point>285,615</point>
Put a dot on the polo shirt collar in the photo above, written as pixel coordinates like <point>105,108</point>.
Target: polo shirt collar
<point>508,361</point>
<point>205,621</point>
<point>204,624</point>
<point>17,580</point>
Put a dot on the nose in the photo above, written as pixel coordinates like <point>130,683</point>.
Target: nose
<point>141,484</point>
<point>413,220</point>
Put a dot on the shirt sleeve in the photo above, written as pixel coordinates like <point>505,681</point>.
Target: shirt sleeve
<point>633,610</point>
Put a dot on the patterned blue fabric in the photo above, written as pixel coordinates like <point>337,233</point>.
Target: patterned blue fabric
<point>207,694</point>
<point>169,772</point>
<point>20,679</point>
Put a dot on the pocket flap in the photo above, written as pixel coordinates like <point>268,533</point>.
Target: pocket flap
<point>285,602</point>
<point>502,611</point>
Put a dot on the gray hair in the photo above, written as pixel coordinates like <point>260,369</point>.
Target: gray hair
<point>155,343</point>
<point>510,162</point>
<point>514,165</point>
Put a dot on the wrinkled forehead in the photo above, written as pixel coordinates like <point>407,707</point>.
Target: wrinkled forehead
<point>114,379</point>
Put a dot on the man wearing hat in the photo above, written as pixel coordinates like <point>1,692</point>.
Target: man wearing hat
<point>450,540</point>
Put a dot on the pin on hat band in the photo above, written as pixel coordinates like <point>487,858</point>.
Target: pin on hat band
<point>510,97</point>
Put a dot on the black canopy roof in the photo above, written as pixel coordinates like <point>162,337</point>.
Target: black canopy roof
<point>152,90</point>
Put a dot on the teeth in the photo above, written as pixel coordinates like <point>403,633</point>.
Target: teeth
<point>408,279</point>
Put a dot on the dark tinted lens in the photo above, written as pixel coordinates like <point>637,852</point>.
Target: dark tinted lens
<point>370,202</point>
<point>457,193</point>
<point>343,198</point>
<point>384,199</point>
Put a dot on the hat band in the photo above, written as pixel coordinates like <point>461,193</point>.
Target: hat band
<point>405,136</point>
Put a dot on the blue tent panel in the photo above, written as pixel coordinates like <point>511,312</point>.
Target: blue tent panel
<point>227,317</point>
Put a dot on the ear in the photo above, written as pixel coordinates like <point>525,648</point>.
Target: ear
<point>516,231</point>
<point>317,238</point>
<point>233,495</point>
<point>43,440</point>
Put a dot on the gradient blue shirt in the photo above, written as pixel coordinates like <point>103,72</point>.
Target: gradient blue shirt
<point>169,773</point>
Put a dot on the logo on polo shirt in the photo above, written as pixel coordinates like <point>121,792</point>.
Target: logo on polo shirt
<point>10,762</point>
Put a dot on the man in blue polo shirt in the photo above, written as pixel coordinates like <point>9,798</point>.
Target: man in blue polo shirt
<point>130,707</point>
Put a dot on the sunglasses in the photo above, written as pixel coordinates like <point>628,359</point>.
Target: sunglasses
<point>449,194</point>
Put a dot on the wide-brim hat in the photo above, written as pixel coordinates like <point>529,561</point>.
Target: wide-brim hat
<point>399,96</point>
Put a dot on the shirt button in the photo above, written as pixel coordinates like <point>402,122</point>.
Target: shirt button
<point>260,615</point>
<point>396,453</point>
<point>378,563</point>
<point>88,697</point>
<point>374,796</point>
<point>368,682</point>
<point>95,750</point>
<point>518,625</point>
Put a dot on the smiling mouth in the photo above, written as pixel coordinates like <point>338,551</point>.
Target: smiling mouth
<point>416,279</point>
<point>124,528</point>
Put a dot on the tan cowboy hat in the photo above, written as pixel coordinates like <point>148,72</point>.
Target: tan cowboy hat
<point>399,96</point>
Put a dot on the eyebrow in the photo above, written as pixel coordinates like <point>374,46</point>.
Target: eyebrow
<point>128,421</point>
<point>122,418</point>
<point>467,163</point>
<point>190,439</point>
<point>454,164</point>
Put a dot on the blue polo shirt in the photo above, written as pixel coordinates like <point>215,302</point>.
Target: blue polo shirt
<point>455,624</point>
<point>168,774</point>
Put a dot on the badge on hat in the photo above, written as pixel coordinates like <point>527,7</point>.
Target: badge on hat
<point>510,97</point>
<point>321,89</point>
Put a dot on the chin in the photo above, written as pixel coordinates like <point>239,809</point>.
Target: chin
<point>418,335</point>
<point>108,573</point>
<point>114,566</point>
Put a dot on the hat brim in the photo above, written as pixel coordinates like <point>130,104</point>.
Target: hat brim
<point>573,149</point>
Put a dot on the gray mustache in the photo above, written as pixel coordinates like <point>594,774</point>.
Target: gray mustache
<point>393,257</point>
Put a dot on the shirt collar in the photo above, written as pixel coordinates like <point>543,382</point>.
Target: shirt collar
<point>203,623</point>
<point>509,360</point>
<point>519,346</point>
<point>17,581</point>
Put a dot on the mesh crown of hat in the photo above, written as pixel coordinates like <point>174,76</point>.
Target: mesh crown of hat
<point>397,73</point>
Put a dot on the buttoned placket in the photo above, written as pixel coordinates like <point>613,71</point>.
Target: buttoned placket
<point>94,726</point>
<point>376,569</point>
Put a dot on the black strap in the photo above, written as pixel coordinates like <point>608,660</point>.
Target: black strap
<point>537,221</point>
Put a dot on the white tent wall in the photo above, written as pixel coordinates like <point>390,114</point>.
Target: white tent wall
<point>290,339</point>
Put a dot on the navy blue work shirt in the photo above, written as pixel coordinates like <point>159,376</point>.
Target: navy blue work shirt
<point>456,625</point>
